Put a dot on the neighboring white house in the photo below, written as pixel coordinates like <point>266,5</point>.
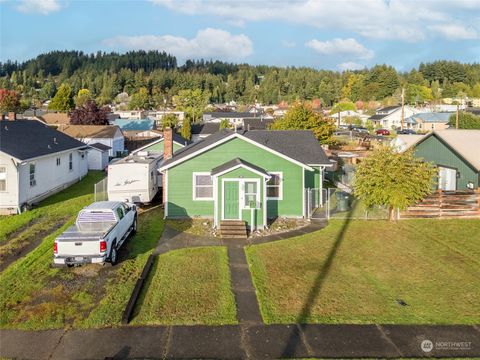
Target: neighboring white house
<point>98,156</point>
<point>109,135</point>
<point>234,118</point>
<point>130,114</point>
<point>391,116</point>
<point>36,161</point>
<point>347,114</point>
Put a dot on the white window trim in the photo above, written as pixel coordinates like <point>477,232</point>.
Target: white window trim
<point>280,194</point>
<point>194,197</point>
<point>5,174</point>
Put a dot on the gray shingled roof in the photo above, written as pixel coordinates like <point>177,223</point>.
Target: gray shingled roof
<point>235,162</point>
<point>299,145</point>
<point>26,139</point>
<point>100,146</point>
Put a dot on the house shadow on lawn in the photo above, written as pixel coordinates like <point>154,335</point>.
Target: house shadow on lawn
<point>294,340</point>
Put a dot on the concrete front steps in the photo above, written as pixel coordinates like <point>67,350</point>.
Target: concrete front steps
<point>235,229</point>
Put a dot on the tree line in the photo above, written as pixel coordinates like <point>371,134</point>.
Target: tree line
<point>153,79</point>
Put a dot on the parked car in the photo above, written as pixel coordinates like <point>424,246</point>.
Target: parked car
<point>360,129</point>
<point>99,231</point>
<point>406,132</point>
<point>382,132</point>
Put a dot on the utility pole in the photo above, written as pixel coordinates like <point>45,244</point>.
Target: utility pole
<point>403,108</point>
<point>456,117</point>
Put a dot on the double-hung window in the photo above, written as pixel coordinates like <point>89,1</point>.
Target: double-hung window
<point>250,195</point>
<point>58,161</point>
<point>70,161</point>
<point>3,178</point>
<point>274,186</point>
<point>202,186</point>
<point>33,181</point>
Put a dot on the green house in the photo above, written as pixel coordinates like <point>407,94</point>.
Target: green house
<point>249,175</point>
<point>157,146</point>
<point>456,153</point>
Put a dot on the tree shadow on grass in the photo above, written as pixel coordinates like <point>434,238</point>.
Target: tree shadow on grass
<point>294,340</point>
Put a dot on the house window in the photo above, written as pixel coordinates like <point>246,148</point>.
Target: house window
<point>3,178</point>
<point>274,186</point>
<point>250,195</point>
<point>70,161</point>
<point>33,182</point>
<point>202,186</point>
<point>58,161</point>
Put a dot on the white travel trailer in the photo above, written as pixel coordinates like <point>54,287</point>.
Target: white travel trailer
<point>135,178</point>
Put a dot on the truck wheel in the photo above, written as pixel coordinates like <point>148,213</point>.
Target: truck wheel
<point>113,255</point>
<point>134,226</point>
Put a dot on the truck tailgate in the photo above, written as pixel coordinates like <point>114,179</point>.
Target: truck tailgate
<point>74,242</point>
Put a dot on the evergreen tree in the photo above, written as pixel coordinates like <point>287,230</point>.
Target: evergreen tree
<point>186,131</point>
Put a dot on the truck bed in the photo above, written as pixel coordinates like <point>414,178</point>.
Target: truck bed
<point>85,232</point>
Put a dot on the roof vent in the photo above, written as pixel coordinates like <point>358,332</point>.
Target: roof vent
<point>55,141</point>
<point>49,146</point>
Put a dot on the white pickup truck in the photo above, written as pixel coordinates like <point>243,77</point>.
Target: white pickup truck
<point>99,231</point>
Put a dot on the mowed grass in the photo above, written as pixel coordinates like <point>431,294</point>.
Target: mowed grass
<point>36,295</point>
<point>356,271</point>
<point>187,287</point>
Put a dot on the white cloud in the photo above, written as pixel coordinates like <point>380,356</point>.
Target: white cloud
<point>342,47</point>
<point>43,7</point>
<point>208,43</point>
<point>350,65</point>
<point>456,32</point>
<point>379,19</point>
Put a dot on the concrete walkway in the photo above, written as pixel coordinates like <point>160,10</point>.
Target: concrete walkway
<point>242,342</point>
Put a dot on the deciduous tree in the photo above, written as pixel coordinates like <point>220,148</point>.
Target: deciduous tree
<point>9,100</point>
<point>392,179</point>
<point>186,131</point>
<point>89,114</point>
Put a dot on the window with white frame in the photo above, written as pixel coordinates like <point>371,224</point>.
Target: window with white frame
<point>202,186</point>
<point>3,178</point>
<point>58,161</point>
<point>33,181</point>
<point>70,161</point>
<point>274,186</point>
<point>250,195</point>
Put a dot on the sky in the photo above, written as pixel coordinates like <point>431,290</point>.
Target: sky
<point>323,34</point>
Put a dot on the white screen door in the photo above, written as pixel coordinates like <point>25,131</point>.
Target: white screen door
<point>447,179</point>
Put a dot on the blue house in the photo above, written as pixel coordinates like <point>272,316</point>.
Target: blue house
<point>135,124</point>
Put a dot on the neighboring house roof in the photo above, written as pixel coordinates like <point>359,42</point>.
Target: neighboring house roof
<point>377,116</point>
<point>389,108</point>
<point>56,118</point>
<point>175,137</point>
<point>257,123</point>
<point>135,124</point>
<point>90,131</point>
<point>100,146</point>
<point>205,129</point>
<point>432,117</point>
<point>465,142</point>
<point>474,111</point>
<point>297,145</point>
<point>230,115</point>
<point>236,163</point>
<point>404,142</point>
<point>32,113</point>
<point>26,139</point>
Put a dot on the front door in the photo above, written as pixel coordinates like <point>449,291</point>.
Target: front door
<point>231,200</point>
<point>447,179</point>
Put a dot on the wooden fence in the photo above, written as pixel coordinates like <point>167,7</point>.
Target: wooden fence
<point>446,204</point>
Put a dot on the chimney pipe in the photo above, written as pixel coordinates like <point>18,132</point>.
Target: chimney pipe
<point>167,143</point>
<point>12,116</point>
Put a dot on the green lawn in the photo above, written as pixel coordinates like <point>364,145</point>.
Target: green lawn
<point>37,296</point>
<point>22,231</point>
<point>354,272</point>
<point>187,287</point>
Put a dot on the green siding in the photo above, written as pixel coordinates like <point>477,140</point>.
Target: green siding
<point>433,150</point>
<point>312,178</point>
<point>158,147</point>
<point>180,199</point>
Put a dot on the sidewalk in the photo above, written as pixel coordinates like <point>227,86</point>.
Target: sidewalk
<point>242,342</point>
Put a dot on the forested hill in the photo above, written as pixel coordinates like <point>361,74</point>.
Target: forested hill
<point>106,75</point>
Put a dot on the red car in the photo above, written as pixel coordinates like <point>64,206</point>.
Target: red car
<point>382,132</point>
